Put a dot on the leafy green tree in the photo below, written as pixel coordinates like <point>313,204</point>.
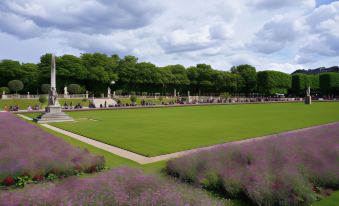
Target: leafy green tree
<point>272,82</point>
<point>249,75</point>
<point>4,89</point>
<point>30,77</point>
<point>9,69</point>
<point>15,85</point>
<point>329,83</point>
<point>74,88</point>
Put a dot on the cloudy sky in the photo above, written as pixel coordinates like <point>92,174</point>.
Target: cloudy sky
<point>269,34</point>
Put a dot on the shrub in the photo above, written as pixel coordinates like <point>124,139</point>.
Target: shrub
<point>15,85</point>
<point>280,170</point>
<point>118,92</point>
<point>74,88</point>
<point>133,98</point>
<point>42,99</point>
<point>27,150</point>
<point>132,93</point>
<point>119,187</point>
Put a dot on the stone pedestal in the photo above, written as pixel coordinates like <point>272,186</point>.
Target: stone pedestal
<point>53,114</point>
<point>308,100</point>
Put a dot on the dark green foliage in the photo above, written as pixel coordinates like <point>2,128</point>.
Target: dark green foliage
<point>45,88</point>
<point>329,83</point>
<point>94,72</point>
<point>272,82</point>
<point>42,99</point>
<point>249,75</point>
<point>300,82</point>
<point>4,89</point>
<point>15,85</point>
<point>74,88</point>
<point>133,98</point>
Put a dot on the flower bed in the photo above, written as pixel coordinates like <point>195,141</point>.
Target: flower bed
<point>28,151</point>
<point>122,186</point>
<point>286,169</point>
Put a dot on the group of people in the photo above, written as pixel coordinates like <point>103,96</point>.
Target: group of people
<point>70,106</point>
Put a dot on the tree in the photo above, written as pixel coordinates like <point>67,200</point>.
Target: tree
<point>15,85</point>
<point>4,89</point>
<point>300,82</point>
<point>9,69</point>
<point>74,88</point>
<point>249,75</point>
<point>329,83</point>
<point>272,82</point>
<point>45,88</point>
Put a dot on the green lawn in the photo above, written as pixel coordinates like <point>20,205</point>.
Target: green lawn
<point>158,131</point>
<point>25,103</point>
<point>149,100</point>
<point>332,200</point>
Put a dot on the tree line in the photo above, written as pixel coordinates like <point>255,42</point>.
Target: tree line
<point>94,72</point>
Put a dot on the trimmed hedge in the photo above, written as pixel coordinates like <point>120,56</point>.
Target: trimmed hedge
<point>271,82</point>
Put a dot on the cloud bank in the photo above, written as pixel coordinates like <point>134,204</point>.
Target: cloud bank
<point>280,35</point>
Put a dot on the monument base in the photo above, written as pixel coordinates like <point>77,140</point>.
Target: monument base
<point>308,100</point>
<point>53,114</point>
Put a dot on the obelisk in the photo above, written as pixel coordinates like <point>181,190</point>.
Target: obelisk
<point>53,111</point>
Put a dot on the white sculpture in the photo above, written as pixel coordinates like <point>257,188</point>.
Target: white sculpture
<point>109,92</point>
<point>65,90</point>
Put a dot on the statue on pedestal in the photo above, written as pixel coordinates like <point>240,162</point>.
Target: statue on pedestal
<point>53,111</point>
<point>308,98</point>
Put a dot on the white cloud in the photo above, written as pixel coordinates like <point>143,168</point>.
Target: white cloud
<point>269,34</point>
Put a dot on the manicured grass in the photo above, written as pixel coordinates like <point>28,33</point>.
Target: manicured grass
<point>25,103</point>
<point>159,131</point>
<point>111,160</point>
<point>332,200</point>
<point>149,100</point>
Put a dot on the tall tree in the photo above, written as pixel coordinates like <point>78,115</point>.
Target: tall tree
<point>249,75</point>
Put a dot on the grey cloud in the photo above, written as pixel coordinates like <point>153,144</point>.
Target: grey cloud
<point>278,4</point>
<point>101,16</point>
<point>324,27</point>
<point>274,35</point>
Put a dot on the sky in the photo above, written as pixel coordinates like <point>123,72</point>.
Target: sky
<point>269,34</point>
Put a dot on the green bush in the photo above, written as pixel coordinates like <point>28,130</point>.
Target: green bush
<point>132,93</point>
<point>118,92</point>
<point>42,99</point>
<point>74,88</point>
<point>133,98</point>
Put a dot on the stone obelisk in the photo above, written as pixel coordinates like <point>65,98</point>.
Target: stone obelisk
<point>53,111</point>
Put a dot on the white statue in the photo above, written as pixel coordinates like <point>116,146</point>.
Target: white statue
<point>3,92</point>
<point>308,91</point>
<point>65,90</point>
<point>108,92</point>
